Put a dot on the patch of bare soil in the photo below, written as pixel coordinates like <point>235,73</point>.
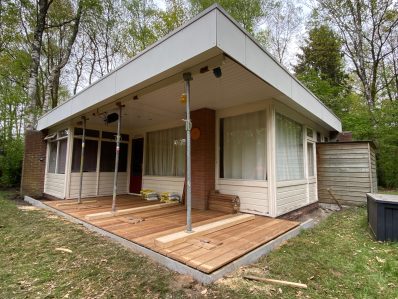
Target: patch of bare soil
<point>235,281</point>
<point>317,215</point>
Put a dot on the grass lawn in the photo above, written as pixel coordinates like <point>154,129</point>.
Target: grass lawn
<point>388,191</point>
<point>337,259</point>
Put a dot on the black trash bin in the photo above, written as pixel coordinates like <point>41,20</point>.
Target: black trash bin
<point>383,216</point>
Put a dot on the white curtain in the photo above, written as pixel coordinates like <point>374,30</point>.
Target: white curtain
<point>243,147</point>
<point>289,149</point>
<point>310,159</point>
<point>165,152</point>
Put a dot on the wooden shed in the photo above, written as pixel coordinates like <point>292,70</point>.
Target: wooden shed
<point>348,169</point>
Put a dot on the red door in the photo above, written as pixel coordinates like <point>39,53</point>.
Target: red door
<point>137,159</point>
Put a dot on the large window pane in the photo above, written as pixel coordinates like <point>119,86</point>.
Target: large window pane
<point>289,149</point>
<point>63,146</point>
<point>52,158</point>
<point>165,152</point>
<point>90,155</point>
<point>108,150</point>
<point>243,147</point>
<point>310,159</point>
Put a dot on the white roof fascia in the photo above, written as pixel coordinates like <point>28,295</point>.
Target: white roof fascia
<point>212,29</point>
<point>239,45</point>
<point>194,38</point>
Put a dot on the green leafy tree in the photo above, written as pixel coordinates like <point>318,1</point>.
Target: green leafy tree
<point>11,163</point>
<point>321,68</point>
<point>247,13</point>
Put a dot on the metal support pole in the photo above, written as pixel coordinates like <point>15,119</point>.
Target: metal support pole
<point>119,121</point>
<point>79,200</point>
<point>188,126</point>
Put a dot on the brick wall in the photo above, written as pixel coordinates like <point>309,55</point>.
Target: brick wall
<point>32,178</point>
<point>203,157</point>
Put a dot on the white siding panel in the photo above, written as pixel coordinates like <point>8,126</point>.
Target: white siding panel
<point>313,192</point>
<point>105,184</point>
<point>55,184</point>
<point>89,184</point>
<point>289,198</point>
<point>253,199</point>
<point>163,184</point>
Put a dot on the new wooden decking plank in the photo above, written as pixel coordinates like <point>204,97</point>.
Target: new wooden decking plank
<point>231,237</point>
<point>168,224</point>
<point>153,225</point>
<point>180,237</point>
<point>223,256</point>
<point>145,215</point>
<point>149,239</point>
<point>103,207</point>
<point>225,237</point>
<point>127,211</point>
<point>117,220</point>
<point>219,236</point>
<point>232,242</point>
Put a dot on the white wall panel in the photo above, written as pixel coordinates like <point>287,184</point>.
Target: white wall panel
<point>55,184</point>
<point>163,184</point>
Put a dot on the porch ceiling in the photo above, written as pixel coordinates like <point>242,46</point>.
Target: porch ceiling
<point>237,86</point>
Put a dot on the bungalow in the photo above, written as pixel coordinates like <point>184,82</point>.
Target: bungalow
<point>252,125</point>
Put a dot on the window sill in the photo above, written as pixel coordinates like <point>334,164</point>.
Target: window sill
<point>291,183</point>
<point>164,178</point>
<point>237,182</point>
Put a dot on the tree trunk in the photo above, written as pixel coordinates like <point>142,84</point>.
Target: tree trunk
<point>51,96</point>
<point>36,47</point>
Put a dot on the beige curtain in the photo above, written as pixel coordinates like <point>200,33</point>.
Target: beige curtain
<point>289,149</point>
<point>244,146</point>
<point>165,152</point>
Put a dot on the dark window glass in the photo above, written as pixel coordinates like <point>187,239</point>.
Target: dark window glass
<point>90,155</point>
<point>318,136</point>
<point>63,145</point>
<point>108,150</point>
<point>109,135</point>
<point>89,133</point>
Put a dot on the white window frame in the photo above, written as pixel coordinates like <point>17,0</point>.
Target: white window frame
<point>52,138</point>
<point>99,139</point>
<point>233,181</point>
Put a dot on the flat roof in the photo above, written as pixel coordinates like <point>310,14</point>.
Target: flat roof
<point>210,33</point>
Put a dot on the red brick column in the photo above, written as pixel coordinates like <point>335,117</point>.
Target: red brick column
<point>203,156</point>
<point>33,169</point>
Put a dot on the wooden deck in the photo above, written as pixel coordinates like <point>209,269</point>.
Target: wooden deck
<point>206,253</point>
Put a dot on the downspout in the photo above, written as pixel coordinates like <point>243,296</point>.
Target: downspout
<point>188,125</point>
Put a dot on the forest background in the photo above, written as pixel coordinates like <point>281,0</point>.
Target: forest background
<point>344,51</point>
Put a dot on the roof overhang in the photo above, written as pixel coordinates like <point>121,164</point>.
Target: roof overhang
<point>204,38</point>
